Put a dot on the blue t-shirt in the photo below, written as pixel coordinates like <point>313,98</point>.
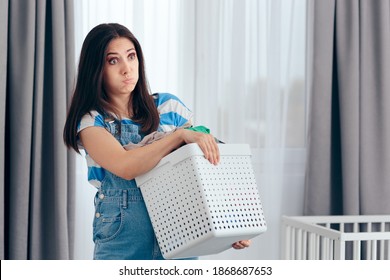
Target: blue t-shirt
<point>173,113</point>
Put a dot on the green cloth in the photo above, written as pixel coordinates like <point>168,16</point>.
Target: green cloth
<point>199,128</point>
<point>203,129</point>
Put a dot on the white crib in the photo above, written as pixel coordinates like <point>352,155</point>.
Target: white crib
<point>336,237</point>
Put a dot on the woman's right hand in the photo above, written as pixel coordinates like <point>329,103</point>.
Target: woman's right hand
<point>206,142</point>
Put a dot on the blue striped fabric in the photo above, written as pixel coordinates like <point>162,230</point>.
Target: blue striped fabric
<point>173,114</point>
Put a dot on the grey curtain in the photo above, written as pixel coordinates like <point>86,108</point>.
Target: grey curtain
<point>37,171</point>
<point>349,124</point>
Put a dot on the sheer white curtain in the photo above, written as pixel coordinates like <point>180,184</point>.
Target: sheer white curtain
<point>240,66</point>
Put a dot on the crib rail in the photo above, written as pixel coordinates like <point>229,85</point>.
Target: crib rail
<point>336,237</point>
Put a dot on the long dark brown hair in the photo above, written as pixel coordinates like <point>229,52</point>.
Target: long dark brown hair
<point>89,93</point>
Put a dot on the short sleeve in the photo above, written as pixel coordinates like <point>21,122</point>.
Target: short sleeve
<point>173,112</point>
<point>91,119</point>
<point>94,119</point>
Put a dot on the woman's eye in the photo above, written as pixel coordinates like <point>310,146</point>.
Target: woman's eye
<point>113,61</point>
<point>132,56</point>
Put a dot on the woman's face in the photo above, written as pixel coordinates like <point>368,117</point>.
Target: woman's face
<point>120,71</point>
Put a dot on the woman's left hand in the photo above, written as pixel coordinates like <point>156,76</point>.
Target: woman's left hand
<point>242,244</point>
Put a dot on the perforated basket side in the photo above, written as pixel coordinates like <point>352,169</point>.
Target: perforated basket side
<point>176,207</point>
<point>197,208</point>
<point>232,196</point>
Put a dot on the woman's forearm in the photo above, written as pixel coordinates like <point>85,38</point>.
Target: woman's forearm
<point>106,151</point>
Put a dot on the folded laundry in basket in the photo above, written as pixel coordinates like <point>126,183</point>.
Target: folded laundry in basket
<point>157,135</point>
<point>199,128</point>
<point>148,139</point>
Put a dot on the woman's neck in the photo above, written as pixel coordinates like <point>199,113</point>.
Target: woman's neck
<point>121,105</point>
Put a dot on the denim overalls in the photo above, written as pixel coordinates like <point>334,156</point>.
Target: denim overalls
<point>122,227</point>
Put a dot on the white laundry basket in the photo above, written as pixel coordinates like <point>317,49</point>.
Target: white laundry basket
<point>336,237</point>
<point>197,208</point>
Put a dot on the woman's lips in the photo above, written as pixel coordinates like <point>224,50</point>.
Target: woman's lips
<point>129,81</point>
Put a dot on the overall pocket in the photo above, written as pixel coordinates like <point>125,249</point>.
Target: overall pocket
<point>108,219</point>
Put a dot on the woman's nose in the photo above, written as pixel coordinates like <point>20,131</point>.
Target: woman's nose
<point>127,68</point>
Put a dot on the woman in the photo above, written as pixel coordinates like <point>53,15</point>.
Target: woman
<point>112,106</point>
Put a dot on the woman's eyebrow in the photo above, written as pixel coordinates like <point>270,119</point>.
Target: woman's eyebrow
<point>115,53</point>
